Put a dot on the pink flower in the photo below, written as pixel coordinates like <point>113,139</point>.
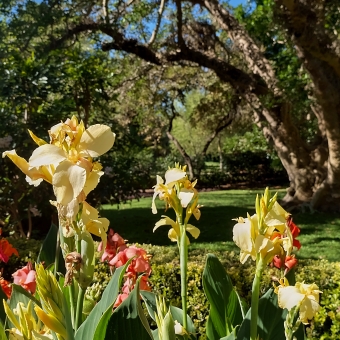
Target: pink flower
<point>120,299</point>
<point>25,277</point>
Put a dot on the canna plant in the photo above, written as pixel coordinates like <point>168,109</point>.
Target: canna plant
<point>55,299</point>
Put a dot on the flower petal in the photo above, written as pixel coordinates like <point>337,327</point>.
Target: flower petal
<point>309,307</point>
<point>194,231</point>
<point>92,181</point>
<point>46,154</point>
<point>174,175</point>
<point>185,196</point>
<point>68,182</point>
<point>289,297</point>
<point>96,140</point>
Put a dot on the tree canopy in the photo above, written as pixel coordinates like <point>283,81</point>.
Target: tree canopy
<point>277,62</point>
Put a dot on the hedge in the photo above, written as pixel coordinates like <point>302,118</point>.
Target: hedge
<point>165,279</point>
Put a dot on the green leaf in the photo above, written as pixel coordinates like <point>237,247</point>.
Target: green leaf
<point>48,250</point>
<point>226,307</point>
<point>168,327</point>
<point>2,332</point>
<point>98,316</point>
<point>3,296</point>
<point>270,320</point>
<point>128,321</point>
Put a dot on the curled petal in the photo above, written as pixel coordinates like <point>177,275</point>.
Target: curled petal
<point>92,181</point>
<point>195,232</point>
<point>68,182</point>
<point>96,140</point>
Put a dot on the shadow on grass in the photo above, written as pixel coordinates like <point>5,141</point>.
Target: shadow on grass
<point>136,224</point>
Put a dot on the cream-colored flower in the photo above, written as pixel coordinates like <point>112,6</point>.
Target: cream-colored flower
<point>66,162</point>
<point>304,295</point>
<point>247,237</point>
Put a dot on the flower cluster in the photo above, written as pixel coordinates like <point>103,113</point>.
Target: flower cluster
<point>178,193</point>
<point>6,250</point>
<point>268,233</point>
<point>26,277</point>
<point>117,254</point>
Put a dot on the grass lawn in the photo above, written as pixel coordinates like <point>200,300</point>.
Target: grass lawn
<point>320,232</point>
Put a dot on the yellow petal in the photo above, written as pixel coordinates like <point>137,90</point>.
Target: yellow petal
<point>36,139</point>
<point>51,322</point>
<point>45,155</point>
<point>33,173</point>
<point>173,235</point>
<point>195,232</point>
<point>309,307</point>
<point>96,140</point>
<point>89,213</point>
<point>276,217</point>
<point>68,182</point>
<point>92,181</point>
<point>166,221</point>
<point>173,175</point>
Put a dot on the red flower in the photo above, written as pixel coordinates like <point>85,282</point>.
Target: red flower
<point>6,287</point>
<point>288,263</point>
<point>6,250</point>
<point>115,243</point>
<point>295,230</point>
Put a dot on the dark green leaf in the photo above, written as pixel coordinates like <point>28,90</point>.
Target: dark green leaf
<point>226,308</point>
<point>128,321</point>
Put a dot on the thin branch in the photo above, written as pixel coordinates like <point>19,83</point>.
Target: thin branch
<point>159,18</point>
<point>179,23</point>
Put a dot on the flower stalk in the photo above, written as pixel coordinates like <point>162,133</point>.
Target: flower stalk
<point>183,270</point>
<point>255,297</point>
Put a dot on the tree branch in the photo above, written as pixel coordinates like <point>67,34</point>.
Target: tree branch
<point>158,23</point>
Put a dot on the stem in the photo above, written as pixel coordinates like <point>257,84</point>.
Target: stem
<point>183,267</point>
<point>56,259</point>
<point>72,302</point>
<point>79,311</point>
<point>255,297</point>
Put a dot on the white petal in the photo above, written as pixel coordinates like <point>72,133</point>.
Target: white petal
<point>242,235</point>
<point>185,196</point>
<point>174,175</point>
<point>96,140</point>
<point>45,155</point>
<point>68,182</point>
<point>289,297</point>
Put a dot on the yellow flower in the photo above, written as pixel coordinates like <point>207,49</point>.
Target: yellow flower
<point>174,232</point>
<point>306,296</point>
<point>66,162</point>
<point>26,325</point>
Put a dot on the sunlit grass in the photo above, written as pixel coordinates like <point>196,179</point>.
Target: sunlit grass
<point>320,237</point>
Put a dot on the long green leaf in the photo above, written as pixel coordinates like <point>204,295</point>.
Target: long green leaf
<point>128,321</point>
<point>88,327</point>
<point>227,310</point>
<point>2,332</point>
